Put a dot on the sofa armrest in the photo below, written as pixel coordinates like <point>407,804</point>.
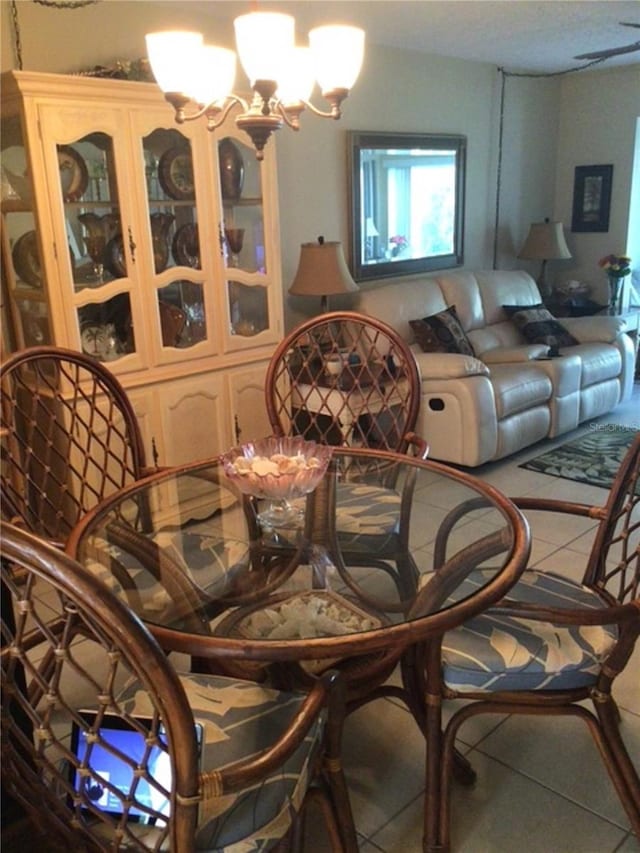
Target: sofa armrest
<point>594,329</point>
<point>502,355</point>
<point>447,365</point>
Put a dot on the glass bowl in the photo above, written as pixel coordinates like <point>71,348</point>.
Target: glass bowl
<point>278,470</point>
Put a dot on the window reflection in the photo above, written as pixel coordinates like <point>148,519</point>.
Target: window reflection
<point>407,204</point>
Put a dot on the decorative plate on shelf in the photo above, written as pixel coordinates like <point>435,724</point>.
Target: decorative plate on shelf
<point>175,173</point>
<point>186,246</point>
<point>26,260</point>
<point>100,340</point>
<point>74,176</point>
<point>114,259</point>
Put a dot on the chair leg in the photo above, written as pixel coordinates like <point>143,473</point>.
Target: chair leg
<point>616,758</point>
<point>333,772</point>
<point>432,840</point>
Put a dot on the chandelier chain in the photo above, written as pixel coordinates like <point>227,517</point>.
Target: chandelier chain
<point>17,42</point>
<point>66,4</point>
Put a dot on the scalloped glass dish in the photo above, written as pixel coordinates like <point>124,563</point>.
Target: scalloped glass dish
<point>278,470</point>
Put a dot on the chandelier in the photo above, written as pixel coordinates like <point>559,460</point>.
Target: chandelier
<point>282,75</point>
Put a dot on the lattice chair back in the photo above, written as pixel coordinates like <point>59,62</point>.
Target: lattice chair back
<point>69,647</point>
<point>344,379</point>
<point>69,438</point>
<point>614,561</point>
<point>107,747</point>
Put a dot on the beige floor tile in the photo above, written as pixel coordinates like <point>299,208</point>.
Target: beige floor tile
<point>560,754</point>
<point>630,845</point>
<point>505,812</point>
<point>384,757</point>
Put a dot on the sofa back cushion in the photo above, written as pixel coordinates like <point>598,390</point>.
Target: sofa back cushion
<point>399,303</point>
<point>479,297</point>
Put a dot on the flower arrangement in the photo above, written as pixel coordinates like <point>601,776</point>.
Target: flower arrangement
<point>398,243</point>
<point>615,266</point>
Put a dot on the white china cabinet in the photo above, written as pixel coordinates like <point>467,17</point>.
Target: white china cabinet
<point>152,246</point>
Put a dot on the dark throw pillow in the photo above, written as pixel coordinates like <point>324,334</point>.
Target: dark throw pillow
<point>539,326</point>
<point>442,332</point>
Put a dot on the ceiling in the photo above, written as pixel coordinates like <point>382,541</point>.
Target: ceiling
<point>525,35</point>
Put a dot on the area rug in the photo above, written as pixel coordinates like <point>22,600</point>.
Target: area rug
<point>592,459</point>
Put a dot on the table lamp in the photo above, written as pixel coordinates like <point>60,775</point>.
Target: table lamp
<point>545,242</point>
<point>322,271</point>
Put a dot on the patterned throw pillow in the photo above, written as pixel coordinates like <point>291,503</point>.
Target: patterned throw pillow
<point>539,326</point>
<point>442,332</point>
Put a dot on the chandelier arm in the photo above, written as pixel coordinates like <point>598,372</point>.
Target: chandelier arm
<point>215,115</point>
<point>335,112</point>
<point>290,113</point>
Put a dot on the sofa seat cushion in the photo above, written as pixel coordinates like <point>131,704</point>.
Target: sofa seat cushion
<point>539,326</point>
<point>240,719</point>
<point>599,362</point>
<point>496,651</point>
<point>517,387</point>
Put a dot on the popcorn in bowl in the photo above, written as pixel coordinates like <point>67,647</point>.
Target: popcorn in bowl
<point>277,468</point>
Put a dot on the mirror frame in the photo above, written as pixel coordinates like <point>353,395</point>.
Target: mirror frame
<point>359,141</point>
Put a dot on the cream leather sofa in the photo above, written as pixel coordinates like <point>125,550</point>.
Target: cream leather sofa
<point>476,409</point>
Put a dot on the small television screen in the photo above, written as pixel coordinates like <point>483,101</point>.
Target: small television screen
<point>112,758</point>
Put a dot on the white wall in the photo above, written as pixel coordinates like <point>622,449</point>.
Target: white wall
<point>598,115</point>
<point>398,90</point>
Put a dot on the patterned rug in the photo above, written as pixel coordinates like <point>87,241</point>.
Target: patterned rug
<point>592,459</point>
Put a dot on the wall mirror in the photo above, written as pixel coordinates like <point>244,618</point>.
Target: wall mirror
<point>407,203</point>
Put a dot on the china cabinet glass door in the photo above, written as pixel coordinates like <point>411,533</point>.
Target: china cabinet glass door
<point>246,254</point>
<point>23,273</point>
<point>96,234</point>
<point>180,298</point>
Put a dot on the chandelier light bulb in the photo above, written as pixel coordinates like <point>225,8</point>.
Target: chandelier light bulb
<point>338,53</point>
<point>265,41</point>
<point>214,73</point>
<point>171,56</point>
<point>299,79</point>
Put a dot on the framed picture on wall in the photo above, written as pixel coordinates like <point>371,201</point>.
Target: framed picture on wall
<point>591,198</point>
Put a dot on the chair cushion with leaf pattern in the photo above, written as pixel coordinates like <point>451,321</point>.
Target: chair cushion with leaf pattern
<point>239,719</point>
<point>498,652</point>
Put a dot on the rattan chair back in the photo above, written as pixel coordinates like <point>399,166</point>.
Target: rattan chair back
<point>614,561</point>
<point>69,438</point>
<point>344,378</point>
<point>244,761</point>
<point>67,645</point>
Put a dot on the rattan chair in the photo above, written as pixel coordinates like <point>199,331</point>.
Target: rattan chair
<point>69,438</point>
<point>344,378</point>
<point>371,402</point>
<point>551,644</point>
<point>215,763</point>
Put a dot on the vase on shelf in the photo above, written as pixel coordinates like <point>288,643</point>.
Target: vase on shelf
<point>616,284</point>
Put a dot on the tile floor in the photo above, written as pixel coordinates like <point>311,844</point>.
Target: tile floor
<point>541,785</point>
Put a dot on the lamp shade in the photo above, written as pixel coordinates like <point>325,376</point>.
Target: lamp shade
<point>545,242</point>
<point>322,271</point>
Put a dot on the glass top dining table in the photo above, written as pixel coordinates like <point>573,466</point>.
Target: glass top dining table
<point>388,550</point>
<point>367,573</point>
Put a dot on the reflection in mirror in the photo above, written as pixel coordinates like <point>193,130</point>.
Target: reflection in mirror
<point>407,203</point>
